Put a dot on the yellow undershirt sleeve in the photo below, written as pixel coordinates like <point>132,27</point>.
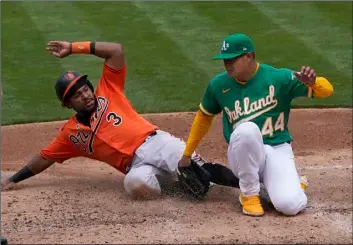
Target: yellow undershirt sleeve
<point>322,88</point>
<point>199,128</point>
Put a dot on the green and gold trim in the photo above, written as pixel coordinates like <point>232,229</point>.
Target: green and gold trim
<point>205,111</point>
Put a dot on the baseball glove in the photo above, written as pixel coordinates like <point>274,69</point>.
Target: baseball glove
<point>194,180</point>
<point>3,241</point>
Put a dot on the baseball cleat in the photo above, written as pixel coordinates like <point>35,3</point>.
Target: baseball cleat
<point>201,161</point>
<point>251,205</point>
<point>198,159</point>
<point>304,182</point>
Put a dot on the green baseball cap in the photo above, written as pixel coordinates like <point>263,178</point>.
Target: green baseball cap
<point>235,45</point>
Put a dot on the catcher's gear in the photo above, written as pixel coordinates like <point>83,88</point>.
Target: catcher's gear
<point>67,84</point>
<point>194,180</point>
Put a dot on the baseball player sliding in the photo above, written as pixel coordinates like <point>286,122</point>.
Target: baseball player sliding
<point>106,127</point>
<point>255,100</point>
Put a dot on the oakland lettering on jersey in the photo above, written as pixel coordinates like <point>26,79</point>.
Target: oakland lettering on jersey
<point>252,107</point>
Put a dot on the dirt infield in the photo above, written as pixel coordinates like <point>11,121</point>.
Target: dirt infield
<point>83,201</point>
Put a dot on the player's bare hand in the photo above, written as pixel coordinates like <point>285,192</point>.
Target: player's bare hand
<point>59,49</point>
<point>6,184</point>
<point>185,161</point>
<point>306,75</point>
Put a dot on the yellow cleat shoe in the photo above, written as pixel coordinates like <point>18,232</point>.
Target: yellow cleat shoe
<point>251,205</point>
<point>304,182</point>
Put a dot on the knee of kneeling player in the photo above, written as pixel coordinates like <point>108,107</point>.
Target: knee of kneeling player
<point>247,132</point>
<point>142,185</point>
<point>291,205</point>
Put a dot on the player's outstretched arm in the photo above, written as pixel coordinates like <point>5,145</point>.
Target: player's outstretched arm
<point>112,52</point>
<point>36,165</point>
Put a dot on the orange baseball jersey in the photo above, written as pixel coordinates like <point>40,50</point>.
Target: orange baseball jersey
<point>115,131</point>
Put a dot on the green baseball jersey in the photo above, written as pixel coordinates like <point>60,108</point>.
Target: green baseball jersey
<point>265,100</point>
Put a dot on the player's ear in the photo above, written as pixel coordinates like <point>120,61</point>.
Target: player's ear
<point>67,104</point>
<point>250,57</point>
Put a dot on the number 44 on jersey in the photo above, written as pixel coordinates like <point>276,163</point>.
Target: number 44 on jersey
<point>268,127</point>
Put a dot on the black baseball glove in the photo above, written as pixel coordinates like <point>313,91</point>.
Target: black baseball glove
<point>194,180</point>
<point>3,241</point>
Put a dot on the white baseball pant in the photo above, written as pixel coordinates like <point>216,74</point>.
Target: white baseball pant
<point>253,162</point>
<point>159,155</point>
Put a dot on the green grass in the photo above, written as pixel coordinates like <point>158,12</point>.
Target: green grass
<point>168,48</point>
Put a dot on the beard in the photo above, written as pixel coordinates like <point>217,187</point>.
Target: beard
<point>84,115</point>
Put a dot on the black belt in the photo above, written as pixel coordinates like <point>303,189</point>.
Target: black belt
<point>153,133</point>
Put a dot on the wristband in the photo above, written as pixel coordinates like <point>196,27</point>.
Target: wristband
<point>23,174</point>
<point>83,47</point>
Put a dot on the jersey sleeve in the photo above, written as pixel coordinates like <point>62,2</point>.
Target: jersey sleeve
<point>113,79</point>
<point>209,104</point>
<point>295,88</point>
<point>59,149</point>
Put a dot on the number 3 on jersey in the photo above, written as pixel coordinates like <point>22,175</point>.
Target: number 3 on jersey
<point>267,128</point>
<point>112,116</point>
